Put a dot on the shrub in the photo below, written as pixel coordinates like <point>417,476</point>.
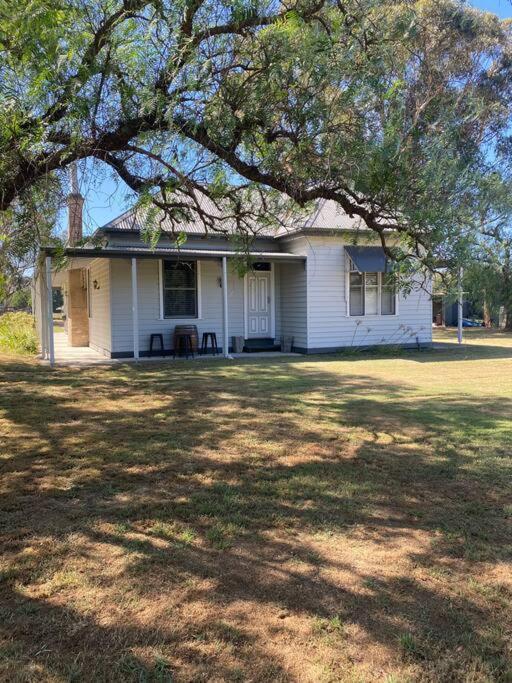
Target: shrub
<point>21,300</point>
<point>17,333</point>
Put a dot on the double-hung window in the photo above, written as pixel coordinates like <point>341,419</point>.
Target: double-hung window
<point>179,284</point>
<point>387,295</point>
<point>371,293</point>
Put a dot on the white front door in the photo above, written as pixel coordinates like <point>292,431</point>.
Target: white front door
<point>258,304</point>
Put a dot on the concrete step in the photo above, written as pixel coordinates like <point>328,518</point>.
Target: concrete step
<point>261,345</point>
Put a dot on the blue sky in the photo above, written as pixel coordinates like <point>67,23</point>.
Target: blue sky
<point>503,8</point>
<point>106,198</point>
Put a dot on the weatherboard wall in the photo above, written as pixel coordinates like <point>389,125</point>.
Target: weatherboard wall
<point>293,303</point>
<point>310,303</point>
<point>148,282</point>
<point>328,325</point>
<point>99,313</point>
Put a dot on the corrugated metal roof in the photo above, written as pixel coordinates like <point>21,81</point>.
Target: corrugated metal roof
<point>330,216</point>
<point>135,219</point>
<point>326,215</point>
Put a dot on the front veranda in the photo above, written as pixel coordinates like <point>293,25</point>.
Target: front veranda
<point>114,303</point>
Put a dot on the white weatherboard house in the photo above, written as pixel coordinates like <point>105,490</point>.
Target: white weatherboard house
<point>308,283</point>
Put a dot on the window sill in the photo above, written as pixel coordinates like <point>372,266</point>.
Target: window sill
<point>373,316</point>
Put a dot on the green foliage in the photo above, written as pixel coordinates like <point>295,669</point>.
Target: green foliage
<point>488,273</point>
<point>17,333</point>
<point>57,298</point>
<point>409,645</point>
<point>24,227</point>
<point>399,112</point>
<point>328,626</point>
<point>220,536</point>
<point>21,299</point>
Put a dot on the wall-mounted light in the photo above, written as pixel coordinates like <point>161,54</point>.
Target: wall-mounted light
<point>95,284</point>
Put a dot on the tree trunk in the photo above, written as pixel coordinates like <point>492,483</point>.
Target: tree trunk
<point>486,312</point>
<point>487,316</point>
<point>507,289</point>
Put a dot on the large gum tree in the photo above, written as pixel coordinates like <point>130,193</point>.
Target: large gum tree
<point>396,111</point>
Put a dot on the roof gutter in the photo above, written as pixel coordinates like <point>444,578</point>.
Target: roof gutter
<point>329,232</point>
<point>86,252</point>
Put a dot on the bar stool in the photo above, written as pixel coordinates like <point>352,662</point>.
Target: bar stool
<point>204,344</point>
<point>152,339</point>
<point>183,344</point>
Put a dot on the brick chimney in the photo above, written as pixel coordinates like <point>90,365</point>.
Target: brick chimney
<point>77,315</point>
<point>75,208</point>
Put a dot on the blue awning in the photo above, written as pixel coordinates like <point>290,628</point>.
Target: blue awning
<point>368,259</point>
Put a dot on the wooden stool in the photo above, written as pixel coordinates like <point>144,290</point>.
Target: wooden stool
<point>204,344</point>
<point>152,339</point>
<point>183,344</point>
<point>187,329</point>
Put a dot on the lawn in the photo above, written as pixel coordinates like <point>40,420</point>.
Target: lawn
<point>341,518</point>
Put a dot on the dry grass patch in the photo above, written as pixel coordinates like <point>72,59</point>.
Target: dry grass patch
<point>316,519</point>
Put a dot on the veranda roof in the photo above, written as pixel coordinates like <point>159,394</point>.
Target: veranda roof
<point>162,252</point>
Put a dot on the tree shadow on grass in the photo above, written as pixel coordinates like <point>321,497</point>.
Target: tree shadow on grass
<point>76,646</point>
<point>198,497</point>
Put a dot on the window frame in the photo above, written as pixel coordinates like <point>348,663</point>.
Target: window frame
<point>162,289</point>
<point>380,288</point>
<point>383,286</point>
